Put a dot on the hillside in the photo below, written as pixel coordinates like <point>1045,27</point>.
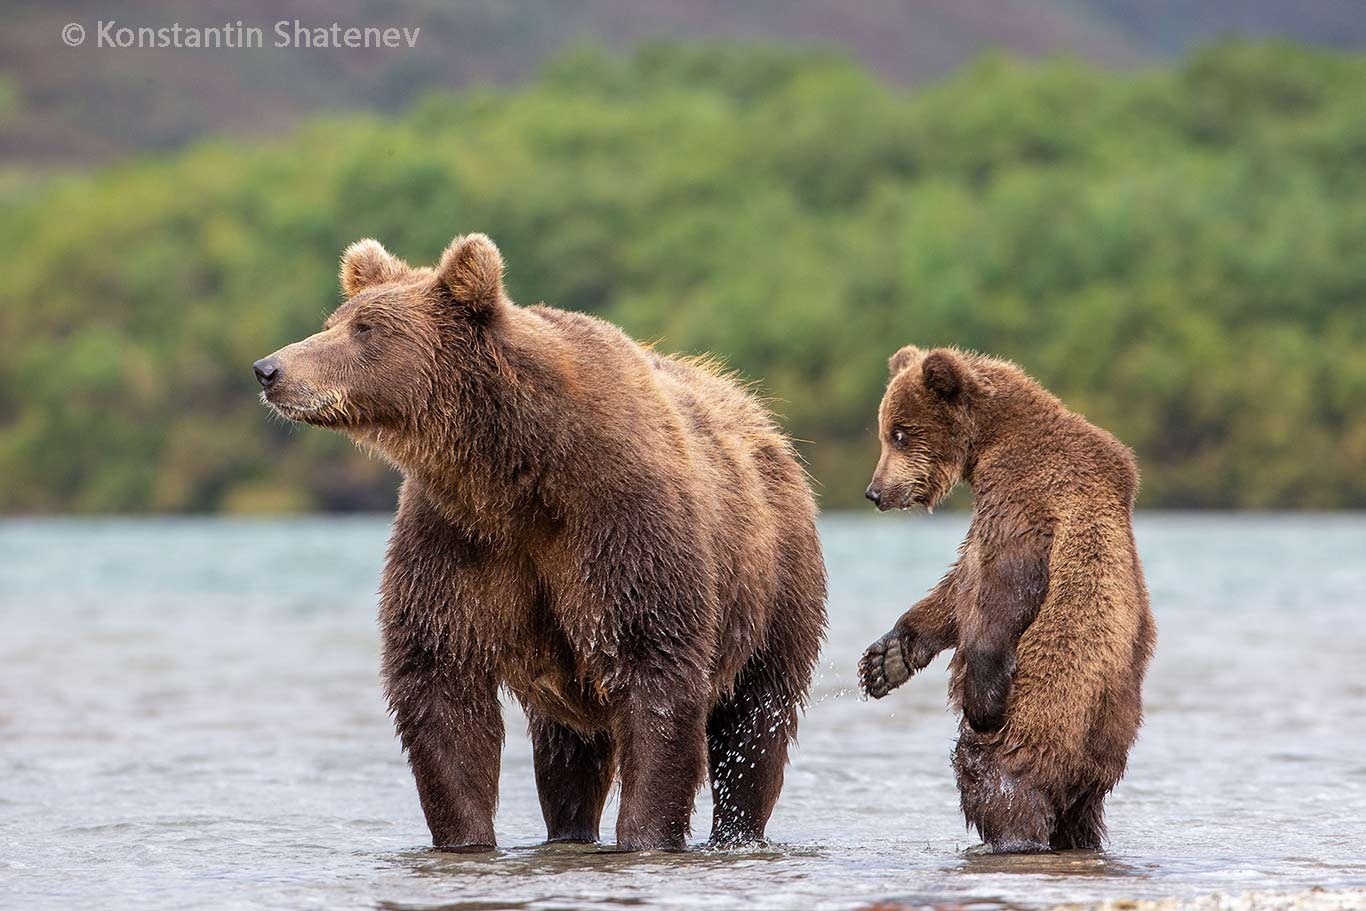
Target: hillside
<point>1177,253</point>
<point>62,106</point>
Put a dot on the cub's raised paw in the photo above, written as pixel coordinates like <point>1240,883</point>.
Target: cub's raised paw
<point>883,667</point>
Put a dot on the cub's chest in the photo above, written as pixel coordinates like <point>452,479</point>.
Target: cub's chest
<point>967,579</point>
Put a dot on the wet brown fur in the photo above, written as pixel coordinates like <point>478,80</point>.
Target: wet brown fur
<point>1045,607</point>
<point>622,539</point>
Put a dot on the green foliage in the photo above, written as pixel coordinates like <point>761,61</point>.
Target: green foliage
<point>1178,254</point>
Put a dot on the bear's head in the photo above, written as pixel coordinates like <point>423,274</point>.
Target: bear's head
<point>378,366</point>
<point>925,427</point>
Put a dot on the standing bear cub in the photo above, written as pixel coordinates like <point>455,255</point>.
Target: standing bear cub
<point>1046,606</point>
<point>623,540</point>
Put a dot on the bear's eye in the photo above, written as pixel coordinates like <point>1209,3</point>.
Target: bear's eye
<point>360,330</point>
<point>899,438</point>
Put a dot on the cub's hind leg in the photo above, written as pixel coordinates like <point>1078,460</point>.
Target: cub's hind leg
<point>1082,824</point>
<point>573,776</point>
<point>1012,813</point>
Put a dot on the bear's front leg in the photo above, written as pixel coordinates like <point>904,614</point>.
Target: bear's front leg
<point>1011,590</point>
<point>441,592</point>
<point>924,631</point>
<point>987,674</point>
<point>663,753</point>
<point>448,718</point>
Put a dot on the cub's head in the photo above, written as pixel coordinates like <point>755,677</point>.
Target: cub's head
<point>378,362</point>
<point>925,427</point>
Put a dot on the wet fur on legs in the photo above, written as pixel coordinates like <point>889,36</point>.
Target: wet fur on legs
<point>573,777</point>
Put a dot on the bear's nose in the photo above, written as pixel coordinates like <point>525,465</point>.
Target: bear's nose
<point>267,371</point>
<point>873,494</point>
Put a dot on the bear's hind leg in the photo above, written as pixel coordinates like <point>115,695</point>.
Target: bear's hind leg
<point>1012,815</point>
<point>749,732</point>
<point>1082,825</point>
<point>662,758</point>
<point>573,776</point>
<point>747,738</point>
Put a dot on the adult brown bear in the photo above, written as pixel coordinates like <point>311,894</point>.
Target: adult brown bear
<point>1046,606</point>
<point>622,539</point>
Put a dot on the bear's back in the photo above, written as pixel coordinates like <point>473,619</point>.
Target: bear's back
<point>1054,449</point>
<point>720,414</point>
<point>708,395</point>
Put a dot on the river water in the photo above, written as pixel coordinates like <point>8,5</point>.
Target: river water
<point>190,717</point>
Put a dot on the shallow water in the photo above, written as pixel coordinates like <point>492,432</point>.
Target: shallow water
<point>190,716</point>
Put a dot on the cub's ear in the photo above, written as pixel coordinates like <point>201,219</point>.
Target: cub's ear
<point>903,359</point>
<point>945,374</point>
<point>366,263</point>
<point>471,272</point>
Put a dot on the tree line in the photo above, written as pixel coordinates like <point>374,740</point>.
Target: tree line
<point>1180,254</point>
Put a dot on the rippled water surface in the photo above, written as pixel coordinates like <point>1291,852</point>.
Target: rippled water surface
<point>190,716</point>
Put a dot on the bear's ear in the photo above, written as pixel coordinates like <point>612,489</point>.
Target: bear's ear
<point>471,272</point>
<point>903,359</point>
<point>945,374</point>
<point>366,263</point>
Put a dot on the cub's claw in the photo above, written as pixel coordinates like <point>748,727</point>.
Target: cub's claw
<point>883,667</point>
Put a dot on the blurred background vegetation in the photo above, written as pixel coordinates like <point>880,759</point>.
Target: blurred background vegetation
<point>1176,245</point>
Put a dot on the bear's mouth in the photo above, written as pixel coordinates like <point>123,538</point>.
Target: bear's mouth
<point>317,408</point>
<point>917,498</point>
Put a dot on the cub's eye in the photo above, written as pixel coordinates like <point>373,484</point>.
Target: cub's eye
<point>899,438</point>
<point>360,330</point>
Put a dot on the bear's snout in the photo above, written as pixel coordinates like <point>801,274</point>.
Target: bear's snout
<point>875,495</point>
<point>267,371</point>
